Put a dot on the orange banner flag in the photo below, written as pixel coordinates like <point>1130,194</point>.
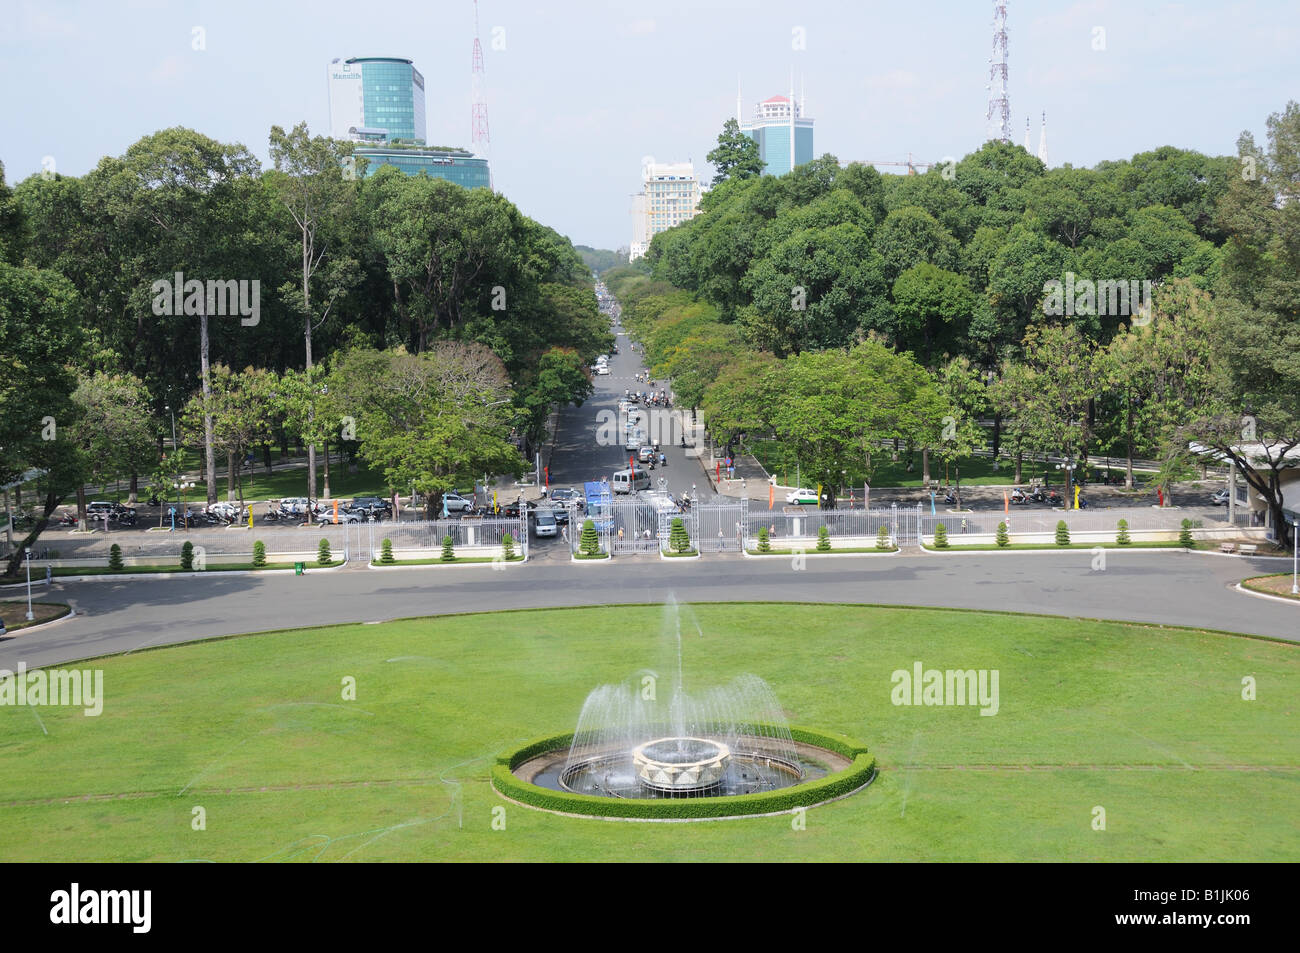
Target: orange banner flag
<point>1006,503</point>
<point>771,495</point>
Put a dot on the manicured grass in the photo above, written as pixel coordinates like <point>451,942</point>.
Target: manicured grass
<point>1163,544</point>
<point>166,568</point>
<point>1145,721</point>
<point>14,613</point>
<point>435,561</point>
<point>812,549</point>
<point>1275,584</point>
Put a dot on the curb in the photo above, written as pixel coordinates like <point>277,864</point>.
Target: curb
<point>18,633</point>
<point>897,551</point>
<point>1264,595</point>
<point>107,577</point>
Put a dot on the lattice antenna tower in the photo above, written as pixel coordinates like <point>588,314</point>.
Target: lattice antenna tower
<point>999,114</point>
<point>480,139</point>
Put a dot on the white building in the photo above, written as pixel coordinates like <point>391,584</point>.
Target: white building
<point>670,194</point>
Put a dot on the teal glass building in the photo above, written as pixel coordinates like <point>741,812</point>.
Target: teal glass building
<point>775,122</point>
<point>463,168</point>
<point>377,92</point>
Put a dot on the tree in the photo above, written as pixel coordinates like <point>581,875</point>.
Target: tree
<point>309,181</point>
<point>932,307</point>
<point>764,541</point>
<point>238,409</point>
<point>1064,374</point>
<point>736,155</point>
<point>1122,537</point>
<point>39,343</point>
<point>187,556</point>
<point>259,554</point>
<point>115,431</point>
<point>432,421</point>
<point>823,539</point>
<point>115,558</point>
<point>448,550</point>
<point>323,555</point>
<point>882,538</point>
<point>1003,537</point>
<point>508,547</point>
<point>910,235</point>
<point>1185,535</point>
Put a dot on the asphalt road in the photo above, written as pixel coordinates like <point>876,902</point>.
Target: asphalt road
<point>1179,588</point>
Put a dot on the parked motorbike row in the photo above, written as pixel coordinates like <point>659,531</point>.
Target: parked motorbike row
<point>1036,494</point>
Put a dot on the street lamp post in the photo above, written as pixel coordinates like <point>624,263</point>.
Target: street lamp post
<point>1068,466</point>
<point>28,561</point>
<point>1295,556</point>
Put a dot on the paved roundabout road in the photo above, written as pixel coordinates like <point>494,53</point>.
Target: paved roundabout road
<point>1176,588</point>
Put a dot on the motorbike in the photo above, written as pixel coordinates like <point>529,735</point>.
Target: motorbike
<point>66,519</point>
<point>1054,499</point>
<point>950,498</point>
<point>1019,497</point>
<point>1083,502</point>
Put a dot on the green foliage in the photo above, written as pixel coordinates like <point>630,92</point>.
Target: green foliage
<point>115,557</point>
<point>764,541</point>
<point>823,539</point>
<point>386,552</point>
<point>679,541</point>
<point>259,554</point>
<point>187,556</point>
<point>508,546</point>
<point>448,552</point>
<point>940,536</point>
<point>1185,535</point>
<point>736,155</point>
<point>1062,533</point>
<point>882,538</point>
<point>590,542</point>
<point>1003,537</point>
<point>1122,537</point>
<point>323,555</point>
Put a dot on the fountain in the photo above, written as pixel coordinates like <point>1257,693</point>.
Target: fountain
<point>639,745</point>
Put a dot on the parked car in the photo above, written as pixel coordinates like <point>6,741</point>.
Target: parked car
<point>602,368</point>
<point>801,496</point>
<point>345,516</point>
<point>1220,498</point>
<point>372,507</point>
<point>566,495</point>
<point>456,503</point>
<point>99,509</point>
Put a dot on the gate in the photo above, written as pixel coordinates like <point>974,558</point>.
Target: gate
<point>720,526</point>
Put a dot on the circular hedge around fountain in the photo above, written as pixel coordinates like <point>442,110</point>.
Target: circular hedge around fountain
<point>859,772</point>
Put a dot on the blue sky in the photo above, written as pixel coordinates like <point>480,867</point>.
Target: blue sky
<point>580,91</point>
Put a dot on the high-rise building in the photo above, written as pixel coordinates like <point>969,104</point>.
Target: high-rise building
<point>371,93</point>
<point>670,195</point>
<point>454,165</point>
<point>783,131</point>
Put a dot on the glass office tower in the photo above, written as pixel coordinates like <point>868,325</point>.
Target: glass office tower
<point>377,92</point>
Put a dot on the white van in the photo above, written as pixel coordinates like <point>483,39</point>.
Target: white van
<point>627,481</point>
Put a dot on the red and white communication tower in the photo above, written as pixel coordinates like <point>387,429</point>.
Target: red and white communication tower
<point>479,137</point>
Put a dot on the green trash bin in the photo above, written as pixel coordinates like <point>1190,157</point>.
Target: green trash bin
<point>298,568</point>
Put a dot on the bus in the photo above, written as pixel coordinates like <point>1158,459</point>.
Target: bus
<point>599,497</point>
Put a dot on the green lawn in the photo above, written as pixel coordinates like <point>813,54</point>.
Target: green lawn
<point>1146,722</point>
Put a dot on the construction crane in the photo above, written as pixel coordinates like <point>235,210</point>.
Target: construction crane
<point>911,165</point>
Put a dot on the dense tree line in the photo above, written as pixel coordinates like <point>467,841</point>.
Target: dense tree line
<point>388,272</point>
<point>1021,291</point>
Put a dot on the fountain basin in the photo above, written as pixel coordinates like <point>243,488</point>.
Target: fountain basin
<point>681,765</point>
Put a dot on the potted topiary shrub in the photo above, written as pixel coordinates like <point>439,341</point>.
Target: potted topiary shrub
<point>823,539</point>
<point>508,546</point>
<point>1062,533</point>
<point>115,558</point>
<point>1003,537</point>
<point>386,552</point>
<point>259,554</point>
<point>448,551</point>
<point>187,556</point>
<point>323,555</point>
<point>882,539</point>
<point>940,536</point>
<point>1122,536</point>
<point>764,541</point>
<point>1185,536</point>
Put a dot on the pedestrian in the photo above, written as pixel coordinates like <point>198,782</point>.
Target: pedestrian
<point>620,534</point>
<point>963,526</point>
<point>564,532</point>
<point>663,460</point>
<point>49,575</point>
